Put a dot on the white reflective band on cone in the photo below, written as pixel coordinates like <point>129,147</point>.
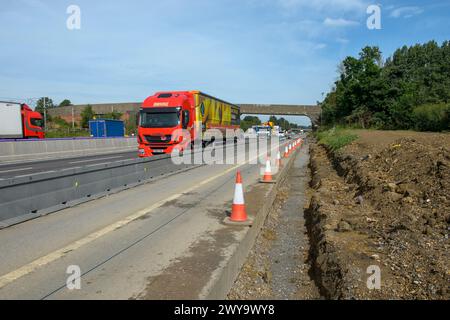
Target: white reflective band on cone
<point>238,194</point>
<point>268,168</point>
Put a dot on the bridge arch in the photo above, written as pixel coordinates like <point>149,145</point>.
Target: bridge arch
<point>310,111</point>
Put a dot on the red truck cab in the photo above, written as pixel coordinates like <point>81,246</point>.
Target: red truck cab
<point>195,112</point>
<point>33,123</point>
<point>160,115</point>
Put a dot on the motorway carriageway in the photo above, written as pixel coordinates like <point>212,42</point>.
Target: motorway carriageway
<point>124,241</point>
<point>21,169</point>
<point>26,169</point>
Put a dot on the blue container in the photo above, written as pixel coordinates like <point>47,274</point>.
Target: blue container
<point>105,128</point>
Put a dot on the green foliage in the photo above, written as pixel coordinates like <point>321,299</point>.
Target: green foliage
<point>67,133</point>
<point>283,123</point>
<point>383,95</point>
<point>249,121</point>
<point>65,103</point>
<point>336,138</point>
<point>42,104</point>
<point>86,115</point>
<point>131,125</point>
<point>60,122</point>
<point>113,115</point>
<point>432,117</point>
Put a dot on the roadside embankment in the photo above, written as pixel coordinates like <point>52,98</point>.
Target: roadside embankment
<point>381,202</point>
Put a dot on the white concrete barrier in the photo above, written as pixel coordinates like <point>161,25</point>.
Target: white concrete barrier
<point>32,150</point>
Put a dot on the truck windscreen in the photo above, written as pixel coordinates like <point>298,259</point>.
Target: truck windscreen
<point>37,122</point>
<point>159,119</point>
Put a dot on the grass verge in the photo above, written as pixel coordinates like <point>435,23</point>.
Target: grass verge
<point>336,138</point>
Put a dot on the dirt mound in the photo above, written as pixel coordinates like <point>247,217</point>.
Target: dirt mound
<point>402,187</point>
<point>410,177</point>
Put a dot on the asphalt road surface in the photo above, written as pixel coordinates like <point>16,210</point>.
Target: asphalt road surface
<point>31,168</point>
<point>121,241</point>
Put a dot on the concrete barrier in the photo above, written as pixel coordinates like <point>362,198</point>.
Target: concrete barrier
<point>30,197</point>
<point>28,150</point>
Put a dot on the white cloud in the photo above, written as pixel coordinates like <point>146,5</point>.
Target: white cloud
<point>329,22</point>
<point>406,12</point>
<point>320,46</point>
<point>342,40</point>
<point>326,5</point>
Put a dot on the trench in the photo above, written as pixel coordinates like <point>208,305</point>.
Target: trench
<point>279,265</point>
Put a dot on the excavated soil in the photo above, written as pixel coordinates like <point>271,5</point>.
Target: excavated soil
<point>382,202</point>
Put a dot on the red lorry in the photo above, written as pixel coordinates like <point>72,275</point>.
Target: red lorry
<point>19,121</point>
<point>165,112</point>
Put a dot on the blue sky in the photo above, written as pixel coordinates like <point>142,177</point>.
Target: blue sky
<point>244,51</point>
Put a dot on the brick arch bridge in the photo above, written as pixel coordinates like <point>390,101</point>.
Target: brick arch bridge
<point>310,111</point>
<point>128,110</point>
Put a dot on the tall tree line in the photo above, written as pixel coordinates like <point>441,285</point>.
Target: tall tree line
<point>410,90</point>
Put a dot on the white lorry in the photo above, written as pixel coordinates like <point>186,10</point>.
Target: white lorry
<point>18,121</point>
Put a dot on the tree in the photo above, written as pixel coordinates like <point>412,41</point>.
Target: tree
<point>65,103</point>
<point>249,121</point>
<point>86,115</point>
<point>373,93</point>
<point>113,115</point>
<point>61,123</point>
<point>40,104</point>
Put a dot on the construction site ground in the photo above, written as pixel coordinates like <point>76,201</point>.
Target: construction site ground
<point>380,204</point>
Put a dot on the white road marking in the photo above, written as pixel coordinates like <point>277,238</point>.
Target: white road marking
<point>14,170</point>
<point>73,168</point>
<point>34,174</point>
<point>55,255</point>
<point>98,159</point>
<point>98,164</point>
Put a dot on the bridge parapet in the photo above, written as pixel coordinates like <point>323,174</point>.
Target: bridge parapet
<point>310,111</point>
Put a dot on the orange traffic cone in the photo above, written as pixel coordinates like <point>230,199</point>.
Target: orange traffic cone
<point>286,152</point>
<point>238,213</point>
<point>267,178</point>
<point>278,159</point>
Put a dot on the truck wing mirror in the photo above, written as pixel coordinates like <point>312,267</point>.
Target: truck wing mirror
<point>185,119</point>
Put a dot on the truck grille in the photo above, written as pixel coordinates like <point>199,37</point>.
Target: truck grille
<point>158,139</point>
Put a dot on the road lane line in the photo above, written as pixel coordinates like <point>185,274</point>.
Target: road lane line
<point>55,255</point>
<point>92,160</point>
<point>14,170</point>
<point>72,168</point>
<point>98,164</point>
<point>34,174</point>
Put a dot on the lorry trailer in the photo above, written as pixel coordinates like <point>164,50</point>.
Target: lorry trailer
<point>19,121</point>
<point>193,111</point>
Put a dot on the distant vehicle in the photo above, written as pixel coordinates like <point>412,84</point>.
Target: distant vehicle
<point>250,133</point>
<point>19,121</point>
<point>106,128</point>
<point>165,112</point>
<point>277,131</point>
<point>263,130</point>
